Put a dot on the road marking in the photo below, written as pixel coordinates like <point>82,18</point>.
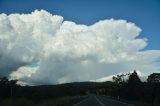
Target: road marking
<point>123,103</point>
<point>99,101</point>
<point>80,102</point>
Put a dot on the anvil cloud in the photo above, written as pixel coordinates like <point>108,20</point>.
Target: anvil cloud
<point>41,48</point>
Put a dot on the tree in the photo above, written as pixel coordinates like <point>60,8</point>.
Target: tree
<point>120,78</point>
<point>4,81</point>
<point>117,79</point>
<point>7,87</point>
<point>133,83</point>
<point>154,78</point>
<point>134,79</point>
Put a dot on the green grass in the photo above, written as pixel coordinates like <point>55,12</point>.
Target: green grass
<point>49,102</point>
<point>62,100</point>
<point>17,102</point>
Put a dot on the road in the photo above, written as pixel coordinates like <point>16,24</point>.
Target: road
<point>94,100</point>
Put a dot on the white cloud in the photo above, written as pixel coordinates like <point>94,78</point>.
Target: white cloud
<point>67,52</point>
<point>142,76</point>
<point>23,36</point>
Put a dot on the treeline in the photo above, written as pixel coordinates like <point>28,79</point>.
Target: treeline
<point>8,89</point>
<point>134,89</point>
<point>124,86</point>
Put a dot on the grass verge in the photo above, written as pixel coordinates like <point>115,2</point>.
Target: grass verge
<point>50,102</point>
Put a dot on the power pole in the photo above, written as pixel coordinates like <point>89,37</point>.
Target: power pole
<point>11,91</point>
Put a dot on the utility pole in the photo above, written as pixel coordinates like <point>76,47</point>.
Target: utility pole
<point>11,91</point>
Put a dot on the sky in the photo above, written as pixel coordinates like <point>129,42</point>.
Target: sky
<point>53,41</point>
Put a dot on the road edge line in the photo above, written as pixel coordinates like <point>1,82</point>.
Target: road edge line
<point>80,102</point>
<point>122,102</point>
<point>99,101</point>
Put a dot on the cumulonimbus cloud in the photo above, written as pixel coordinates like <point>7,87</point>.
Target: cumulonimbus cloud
<point>41,48</point>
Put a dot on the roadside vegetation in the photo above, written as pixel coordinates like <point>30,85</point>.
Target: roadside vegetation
<point>70,100</point>
<point>125,87</point>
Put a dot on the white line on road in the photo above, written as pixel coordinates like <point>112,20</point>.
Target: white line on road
<point>80,102</point>
<point>123,103</point>
<point>99,101</point>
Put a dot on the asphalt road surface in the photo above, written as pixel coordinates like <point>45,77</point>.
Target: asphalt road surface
<point>94,100</point>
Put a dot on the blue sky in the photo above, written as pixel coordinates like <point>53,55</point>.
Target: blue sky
<point>144,13</point>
